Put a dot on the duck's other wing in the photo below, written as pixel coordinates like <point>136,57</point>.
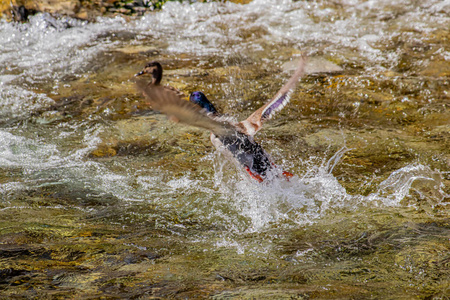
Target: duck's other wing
<point>177,109</point>
<point>281,98</point>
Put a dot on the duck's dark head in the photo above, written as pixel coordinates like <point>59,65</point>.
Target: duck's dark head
<point>200,99</point>
<point>153,68</point>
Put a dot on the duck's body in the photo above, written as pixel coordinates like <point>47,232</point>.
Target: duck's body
<point>236,139</point>
<point>238,145</point>
<point>247,152</point>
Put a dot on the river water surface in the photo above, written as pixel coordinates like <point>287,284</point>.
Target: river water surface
<point>103,197</point>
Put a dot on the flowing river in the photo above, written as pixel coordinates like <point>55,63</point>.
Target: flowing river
<point>103,197</point>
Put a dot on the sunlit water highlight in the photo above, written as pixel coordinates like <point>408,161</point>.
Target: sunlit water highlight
<point>48,48</point>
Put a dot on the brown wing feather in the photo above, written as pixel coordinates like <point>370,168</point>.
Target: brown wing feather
<point>178,92</point>
<point>281,98</point>
<point>177,109</point>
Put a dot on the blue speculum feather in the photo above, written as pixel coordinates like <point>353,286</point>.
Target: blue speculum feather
<point>274,106</point>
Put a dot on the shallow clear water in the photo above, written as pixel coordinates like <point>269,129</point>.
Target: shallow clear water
<point>101,196</point>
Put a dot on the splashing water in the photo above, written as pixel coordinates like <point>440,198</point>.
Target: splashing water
<point>303,199</point>
<point>48,49</point>
<point>242,204</point>
<point>412,178</point>
<point>121,199</point>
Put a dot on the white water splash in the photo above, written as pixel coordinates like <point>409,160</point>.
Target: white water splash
<point>230,199</point>
<point>19,102</point>
<point>48,49</point>
<point>416,178</point>
<point>218,27</point>
<point>317,193</point>
<point>18,152</point>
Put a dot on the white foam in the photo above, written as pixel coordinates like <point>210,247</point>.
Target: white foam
<point>216,28</point>
<point>19,102</point>
<point>415,177</point>
<point>46,49</point>
<point>17,152</point>
<point>316,194</point>
<point>230,199</point>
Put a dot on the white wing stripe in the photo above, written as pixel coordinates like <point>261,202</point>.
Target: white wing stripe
<point>275,105</point>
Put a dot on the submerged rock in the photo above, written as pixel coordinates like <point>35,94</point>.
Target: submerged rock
<point>315,65</point>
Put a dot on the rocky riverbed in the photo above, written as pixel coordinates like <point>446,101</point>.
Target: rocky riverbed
<point>103,197</point>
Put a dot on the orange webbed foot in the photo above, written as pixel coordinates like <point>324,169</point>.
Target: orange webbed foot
<point>253,175</point>
<point>287,175</point>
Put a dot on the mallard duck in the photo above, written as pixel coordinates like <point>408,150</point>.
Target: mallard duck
<point>234,138</point>
<point>155,69</point>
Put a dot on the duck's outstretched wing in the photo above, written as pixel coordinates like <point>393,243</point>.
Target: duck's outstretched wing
<point>177,109</point>
<point>254,123</point>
